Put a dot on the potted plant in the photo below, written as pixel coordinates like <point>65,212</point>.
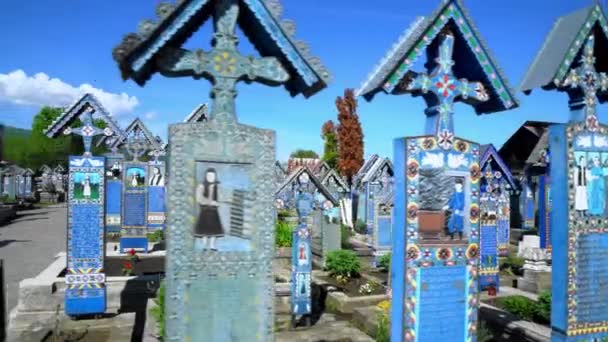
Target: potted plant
<point>434,190</point>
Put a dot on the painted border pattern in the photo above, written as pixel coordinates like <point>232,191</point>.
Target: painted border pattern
<point>575,227</point>
<point>418,256</point>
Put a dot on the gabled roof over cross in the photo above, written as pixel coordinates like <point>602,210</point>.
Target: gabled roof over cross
<point>200,113</point>
<point>472,59</point>
<point>139,53</point>
<point>293,177</point>
<point>576,51</point>
<point>375,170</point>
<point>154,142</point>
<point>84,108</point>
<point>333,174</point>
<point>489,155</point>
<point>563,44</point>
<point>321,169</point>
<point>363,170</point>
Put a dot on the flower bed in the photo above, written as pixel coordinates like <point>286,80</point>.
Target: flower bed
<point>355,287</point>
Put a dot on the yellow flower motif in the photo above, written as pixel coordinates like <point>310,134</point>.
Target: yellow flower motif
<point>224,63</point>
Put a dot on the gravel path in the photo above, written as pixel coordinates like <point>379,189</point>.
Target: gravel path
<point>28,245</point>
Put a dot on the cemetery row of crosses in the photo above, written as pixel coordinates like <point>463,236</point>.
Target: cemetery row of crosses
<point>436,243</point>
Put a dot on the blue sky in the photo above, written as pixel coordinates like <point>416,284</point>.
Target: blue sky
<point>71,43</point>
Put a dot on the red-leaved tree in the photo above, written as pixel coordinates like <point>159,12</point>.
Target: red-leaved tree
<point>350,136</point>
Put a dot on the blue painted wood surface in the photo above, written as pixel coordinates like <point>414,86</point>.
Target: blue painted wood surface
<point>85,292</point>
<point>156,207</point>
<point>113,205</point>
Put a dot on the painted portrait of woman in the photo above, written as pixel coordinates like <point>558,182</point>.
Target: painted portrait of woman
<point>157,178</point>
<point>208,226</point>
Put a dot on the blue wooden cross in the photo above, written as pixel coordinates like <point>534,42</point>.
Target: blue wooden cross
<point>587,79</point>
<point>88,131</point>
<point>224,66</point>
<point>446,88</point>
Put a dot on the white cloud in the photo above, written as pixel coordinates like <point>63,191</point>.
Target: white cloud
<point>40,90</point>
<point>150,115</point>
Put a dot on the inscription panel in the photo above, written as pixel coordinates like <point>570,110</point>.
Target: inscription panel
<point>442,303</point>
<point>503,236</point>
<point>135,210</point>
<point>592,278</point>
<point>113,205</point>
<point>384,231</point>
<point>85,245</point>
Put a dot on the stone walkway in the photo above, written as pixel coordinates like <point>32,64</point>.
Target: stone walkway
<point>28,245</point>
<point>327,329</point>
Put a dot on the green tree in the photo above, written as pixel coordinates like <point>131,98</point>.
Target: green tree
<point>299,153</point>
<point>330,148</point>
<point>52,151</point>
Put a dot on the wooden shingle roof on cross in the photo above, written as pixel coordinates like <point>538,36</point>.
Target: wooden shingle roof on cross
<point>394,74</point>
<point>561,47</point>
<point>139,53</point>
<point>333,174</point>
<point>153,142</point>
<point>364,168</point>
<point>293,177</point>
<point>375,170</point>
<point>73,112</point>
<point>321,169</point>
<point>87,106</point>
<point>200,113</point>
<point>488,154</point>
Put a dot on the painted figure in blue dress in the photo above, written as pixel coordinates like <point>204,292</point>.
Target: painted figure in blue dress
<point>456,206</point>
<point>595,188</point>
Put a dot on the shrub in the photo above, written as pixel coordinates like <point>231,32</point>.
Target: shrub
<point>158,312</point>
<point>343,263</point>
<point>283,235</point>
<point>383,333</point>
<point>543,307</point>
<point>345,235</point>
<point>360,227</point>
<point>512,265</point>
<point>385,261</point>
<point>156,236</point>
<point>483,333</point>
<point>520,306</point>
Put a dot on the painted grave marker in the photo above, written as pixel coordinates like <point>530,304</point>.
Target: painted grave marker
<point>220,216</point>
<point>114,175</point>
<point>494,203</point>
<point>156,191</point>
<point>579,308</point>
<point>383,227</point>
<point>434,262</point>
<point>136,140</point>
<point>85,278</point>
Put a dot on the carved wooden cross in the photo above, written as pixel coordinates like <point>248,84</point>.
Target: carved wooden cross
<point>589,81</point>
<point>223,66</point>
<point>136,144</point>
<point>446,88</point>
<point>88,131</point>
